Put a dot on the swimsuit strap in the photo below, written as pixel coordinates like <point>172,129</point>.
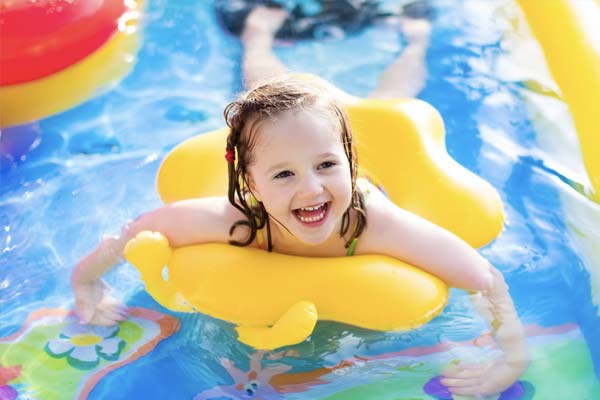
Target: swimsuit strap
<point>351,247</point>
<point>260,239</point>
<point>363,186</point>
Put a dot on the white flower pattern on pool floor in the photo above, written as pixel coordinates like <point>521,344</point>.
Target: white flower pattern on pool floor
<point>84,345</point>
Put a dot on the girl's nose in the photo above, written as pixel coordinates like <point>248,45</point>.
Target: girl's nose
<point>311,186</point>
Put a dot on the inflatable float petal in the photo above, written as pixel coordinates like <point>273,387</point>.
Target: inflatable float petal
<point>293,327</point>
<point>150,252</point>
<point>411,133</point>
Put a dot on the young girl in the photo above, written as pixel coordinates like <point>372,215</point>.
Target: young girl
<point>294,189</point>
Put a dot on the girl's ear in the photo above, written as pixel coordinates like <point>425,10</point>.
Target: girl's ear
<point>252,186</point>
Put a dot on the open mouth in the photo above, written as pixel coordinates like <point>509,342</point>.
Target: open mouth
<point>313,215</point>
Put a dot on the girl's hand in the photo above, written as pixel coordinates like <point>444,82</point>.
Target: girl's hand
<point>95,306</point>
<point>482,379</point>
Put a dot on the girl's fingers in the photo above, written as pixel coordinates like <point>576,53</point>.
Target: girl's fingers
<point>114,316</point>
<point>106,314</point>
<point>123,312</point>
<point>110,303</point>
<point>101,318</point>
<point>114,311</point>
<point>451,383</point>
<point>103,321</point>
<point>462,366</point>
<point>84,311</point>
<point>118,308</point>
<point>465,379</point>
<point>473,387</point>
<point>464,373</point>
<point>479,380</point>
<point>476,390</point>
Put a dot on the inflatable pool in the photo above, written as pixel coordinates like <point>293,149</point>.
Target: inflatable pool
<point>90,168</point>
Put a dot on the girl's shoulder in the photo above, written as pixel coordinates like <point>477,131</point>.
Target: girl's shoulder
<point>385,220</point>
<point>218,207</point>
<point>397,232</point>
<point>374,197</point>
<point>192,221</point>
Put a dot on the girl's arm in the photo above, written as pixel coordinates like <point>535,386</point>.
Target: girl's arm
<point>401,234</point>
<point>493,377</point>
<point>183,223</point>
<point>497,308</point>
<point>410,238</point>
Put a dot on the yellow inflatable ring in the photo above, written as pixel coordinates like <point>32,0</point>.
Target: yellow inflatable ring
<point>276,299</point>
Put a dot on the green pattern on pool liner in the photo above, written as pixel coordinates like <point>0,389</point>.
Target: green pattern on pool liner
<point>561,368</point>
<point>61,358</point>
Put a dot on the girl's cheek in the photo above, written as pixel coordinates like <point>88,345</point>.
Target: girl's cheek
<point>281,195</point>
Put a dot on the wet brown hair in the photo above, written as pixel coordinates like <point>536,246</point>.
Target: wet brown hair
<point>267,101</point>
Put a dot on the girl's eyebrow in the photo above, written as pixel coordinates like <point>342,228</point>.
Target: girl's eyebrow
<point>325,155</point>
<point>285,163</point>
<point>277,166</point>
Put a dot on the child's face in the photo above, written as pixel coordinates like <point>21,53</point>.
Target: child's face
<point>301,174</point>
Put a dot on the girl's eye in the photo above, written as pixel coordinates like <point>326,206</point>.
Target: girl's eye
<point>283,174</point>
<point>327,164</point>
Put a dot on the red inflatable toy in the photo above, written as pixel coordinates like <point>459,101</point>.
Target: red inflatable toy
<point>58,53</point>
<point>44,36</point>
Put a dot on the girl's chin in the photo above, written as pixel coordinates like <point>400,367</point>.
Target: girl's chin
<point>315,237</point>
<point>314,241</point>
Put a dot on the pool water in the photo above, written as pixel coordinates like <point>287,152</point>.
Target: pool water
<point>90,169</point>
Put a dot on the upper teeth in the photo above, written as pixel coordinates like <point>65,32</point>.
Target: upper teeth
<point>313,218</point>
<point>312,208</point>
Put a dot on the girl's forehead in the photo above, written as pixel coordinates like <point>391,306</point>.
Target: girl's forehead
<point>299,126</point>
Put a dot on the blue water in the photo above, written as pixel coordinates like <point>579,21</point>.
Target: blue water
<point>92,168</point>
